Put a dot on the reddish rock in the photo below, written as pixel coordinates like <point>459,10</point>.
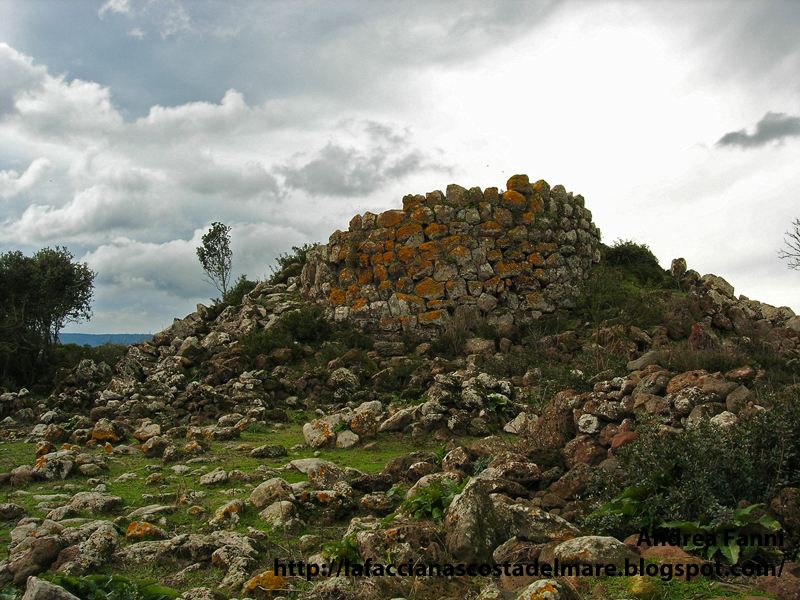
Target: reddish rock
<point>623,439</point>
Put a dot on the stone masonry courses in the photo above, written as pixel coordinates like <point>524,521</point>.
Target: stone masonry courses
<point>507,257</point>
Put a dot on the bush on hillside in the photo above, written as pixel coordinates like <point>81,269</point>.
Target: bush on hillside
<point>638,260</point>
<point>237,293</point>
<point>705,471</point>
<point>286,259</point>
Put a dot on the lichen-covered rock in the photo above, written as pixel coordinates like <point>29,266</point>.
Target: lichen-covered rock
<point>139,531</point>
<point>322,474</point>
<point>270,491</point>
<point>278,513</point>
<point>593,549</point>
<point>95,502</point>
<point>547,589</point>
<point>218,475</point>
<point>228,513</point>
<point>39,589</point>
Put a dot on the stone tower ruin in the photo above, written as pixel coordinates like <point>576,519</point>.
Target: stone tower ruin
<point>507,257</point>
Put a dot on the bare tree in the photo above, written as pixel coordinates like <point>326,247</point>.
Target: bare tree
<point>215,255</point>
<point>792,249</point>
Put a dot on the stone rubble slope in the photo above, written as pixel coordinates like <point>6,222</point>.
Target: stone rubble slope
<point>193,383</point>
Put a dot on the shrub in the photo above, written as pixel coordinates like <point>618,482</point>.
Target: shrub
<point>307,325</point>
<point>707,471</point>
<point>69,355</point>
<point>680,359</point>
<point>264,341</point>
<point>350,335</point>
<point>286,260</point>
<point>432,501</point>
<point>237,293</point>
<point>638,260</point>
<point>611,295</point>
<point>110,587</point>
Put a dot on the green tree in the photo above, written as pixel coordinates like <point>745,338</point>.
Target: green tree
<point>39,295</point>
<point>215,255</point>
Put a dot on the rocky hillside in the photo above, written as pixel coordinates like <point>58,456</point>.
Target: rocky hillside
<point>548,412</point>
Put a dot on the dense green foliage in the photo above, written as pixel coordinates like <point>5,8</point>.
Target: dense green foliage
<point>431,502</point>
<point>638,260</point>
<point>216,256</point>
<point>39,294</point>
<point>240,289</point>
<point>110,587</point>
<point>287,259</point>
<point>705,472</point>
<point>67,356</point>
<point>306,325</point>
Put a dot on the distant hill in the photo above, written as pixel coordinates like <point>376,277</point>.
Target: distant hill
<point>97,339</point>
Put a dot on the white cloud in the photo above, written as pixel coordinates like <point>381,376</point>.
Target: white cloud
<point>137,33</point>
<point>12,183</point>
<point>116,6</point>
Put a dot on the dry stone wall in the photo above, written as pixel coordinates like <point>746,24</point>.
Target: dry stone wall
<point>507,257</point>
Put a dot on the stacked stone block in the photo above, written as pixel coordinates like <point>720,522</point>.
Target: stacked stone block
<point>508,257</point>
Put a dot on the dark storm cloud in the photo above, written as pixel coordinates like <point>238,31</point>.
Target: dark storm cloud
<point>774,127</point>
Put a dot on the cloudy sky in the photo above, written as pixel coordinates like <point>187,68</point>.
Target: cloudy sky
<point>128,127</point>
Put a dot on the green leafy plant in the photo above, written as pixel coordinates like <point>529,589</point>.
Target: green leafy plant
<point>731,552</point>
<point>110,587</point>
<point>501,406</point>
<point>431,502</point>
<point>344,549</point>
<point>9,593</point>
<point>480,465</point>
<point>706,471</point>
<point>439,453</point>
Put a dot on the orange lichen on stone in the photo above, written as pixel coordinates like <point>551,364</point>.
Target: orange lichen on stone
<point>489,229</point>
<point>405,285</point>
<point>536,259</point>
<point>266,581</point>
<point>379,273</point>
<point>507,268</point>
<point>376,259</point>
<point>390,218</point>
<point>422,266</point>
<point>430,250</point>
<point>546,247</point>
<point>388,258</point>
<point>365,277</point>
<point>459,254</point>
<point>434,231</point>
<point>385,285</point>
<point>143,531</point>
<point>407,254</point>
<point>406,231</point>
<point>434,317</point>
<point>518,182</point>
<point>423,214</point>
<point>430,289</point>
<point>451,242</point>
<point>515,200</point>
<point>381,235</point>
<point>494,255</point>
<point>352,293</point>
<point>360,304</point>
<point>347,274</point>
